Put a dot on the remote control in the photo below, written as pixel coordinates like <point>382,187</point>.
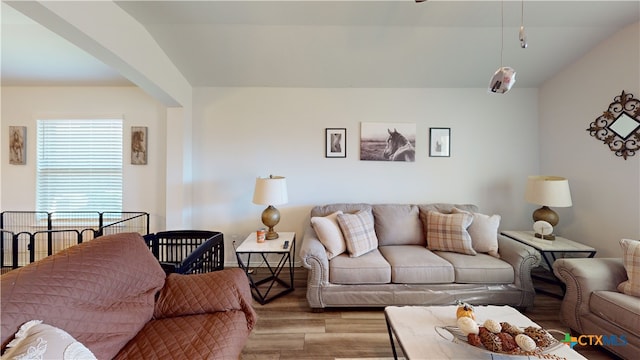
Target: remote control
<point>286,244</point>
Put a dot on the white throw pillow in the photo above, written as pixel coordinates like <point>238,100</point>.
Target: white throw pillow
<point>329,234</point>
<point>359,233</point>
<point>484,232</point>
<point>35,340</point>
<point>631,261</point>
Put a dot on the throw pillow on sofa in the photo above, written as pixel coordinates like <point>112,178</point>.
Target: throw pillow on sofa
<point>35,340</point>
<point>329,234</point>
<point>359,233</point>
<point>631,261</point>
<point>483,231</point>
<point>448,232</point>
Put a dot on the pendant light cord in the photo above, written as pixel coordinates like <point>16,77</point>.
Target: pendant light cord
<point>501,30</point>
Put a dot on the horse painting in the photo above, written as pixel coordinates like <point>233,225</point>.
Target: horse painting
<point>398,148</point>
<point>138,147</point>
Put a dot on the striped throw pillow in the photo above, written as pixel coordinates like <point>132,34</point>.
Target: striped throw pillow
<point>359,233</point>
<point>631,261</point>
<point>448,232</point>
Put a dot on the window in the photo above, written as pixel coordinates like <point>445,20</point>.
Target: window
<point>79,165</point>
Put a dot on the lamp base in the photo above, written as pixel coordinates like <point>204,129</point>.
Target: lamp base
<point>545,237</point>
<point>271,218</point>
<point>546,214</point>
<point>271,235</point>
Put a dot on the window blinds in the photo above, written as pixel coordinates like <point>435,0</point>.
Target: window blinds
<point>79,165</point>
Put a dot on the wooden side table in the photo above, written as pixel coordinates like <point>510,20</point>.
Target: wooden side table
<point>261,287</point>
<point>548,250</point>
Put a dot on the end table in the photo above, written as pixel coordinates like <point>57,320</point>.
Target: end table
<point>548,250</point>
<point>268,250</point>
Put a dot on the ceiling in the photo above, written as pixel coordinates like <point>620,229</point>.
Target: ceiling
<point>400,43</point>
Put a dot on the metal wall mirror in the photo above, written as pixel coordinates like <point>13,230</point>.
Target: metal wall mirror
<point>619,126</point>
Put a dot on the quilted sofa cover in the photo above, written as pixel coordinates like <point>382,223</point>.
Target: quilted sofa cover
<point>112,295</point>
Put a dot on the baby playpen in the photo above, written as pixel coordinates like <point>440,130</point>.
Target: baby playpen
<point>27,236</point>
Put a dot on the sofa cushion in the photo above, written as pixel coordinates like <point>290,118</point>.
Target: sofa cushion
<point>347,208</point>
<point>618,308</point>
<point>484,232</point>
<point>479,269</point>
<point>359,234</point>
<point>370,268</point>
<point>398,224</point>
<point>329,234</point>
<point>415,264</point>
<point>220,335</point>
<point>631,261</point>
<point>446,208</point>
<point>448,232</point>
<point>36,340</point>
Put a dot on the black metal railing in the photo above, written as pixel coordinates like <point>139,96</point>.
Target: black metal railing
<point>28,236</point>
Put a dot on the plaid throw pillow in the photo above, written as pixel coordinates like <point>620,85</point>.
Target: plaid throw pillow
<point>359,233</point>
<point>631,261</point>
<point>448,232</point>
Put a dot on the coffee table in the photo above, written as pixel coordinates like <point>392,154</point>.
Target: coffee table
<point>413,327</point>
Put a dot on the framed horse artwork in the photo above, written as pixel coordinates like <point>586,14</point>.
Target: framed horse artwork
<point>388,141</point>
<point>440,142</point>
<point>335,142</point>
<point>139,145</point>
<point>17,145</point>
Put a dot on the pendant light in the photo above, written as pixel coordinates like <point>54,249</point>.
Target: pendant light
<point>521,35</point>
<point>504,78</point>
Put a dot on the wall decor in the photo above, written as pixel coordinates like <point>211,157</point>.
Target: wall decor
<point>440,142</point>
<point>619,126</point>
<point>335,142</point>
<point>388,141</point>
<point>17,145</point>
<point>139,145</point>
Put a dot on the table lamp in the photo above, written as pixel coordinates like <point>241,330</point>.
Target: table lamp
<point>547,191</point>
<point>270,191</point>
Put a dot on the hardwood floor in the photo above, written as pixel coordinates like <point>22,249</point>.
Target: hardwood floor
<point>288,329</point>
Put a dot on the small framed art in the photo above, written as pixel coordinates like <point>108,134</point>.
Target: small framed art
<point>17,145</point>
<point>335,142</point>
<point>139,145</point>
<point>439,142</point>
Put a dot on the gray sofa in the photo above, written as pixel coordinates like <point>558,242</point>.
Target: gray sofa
<point>592,305</point>
<point>402,271</point>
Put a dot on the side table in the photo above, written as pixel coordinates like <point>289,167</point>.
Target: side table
<point>548,250</point>
<point>261,287</point>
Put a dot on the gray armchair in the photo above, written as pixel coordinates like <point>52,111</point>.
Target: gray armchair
<point>592,305</point>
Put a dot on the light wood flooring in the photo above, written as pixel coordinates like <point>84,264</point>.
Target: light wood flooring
<point>288,329</point>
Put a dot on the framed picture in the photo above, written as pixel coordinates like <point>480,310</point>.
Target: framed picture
<point>388,141</point>
<point>440,142</point>
<point>335,142</point>
<point>139,145</point>
<point>17,145</point>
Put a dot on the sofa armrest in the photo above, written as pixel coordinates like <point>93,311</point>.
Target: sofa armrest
<point>523,258</point>
<point>223,290</point>
<point>582,276</point>
<point>314,257</point>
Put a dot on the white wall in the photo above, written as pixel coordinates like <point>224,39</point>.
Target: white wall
<point>605,188</point>
<point>242,133</point>
<point>144,185</point>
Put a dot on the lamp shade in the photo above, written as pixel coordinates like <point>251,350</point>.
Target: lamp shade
<point>270,191</point>
<point>548,191</point>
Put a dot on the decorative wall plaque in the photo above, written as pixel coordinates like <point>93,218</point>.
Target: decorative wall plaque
<point>619,126</point>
